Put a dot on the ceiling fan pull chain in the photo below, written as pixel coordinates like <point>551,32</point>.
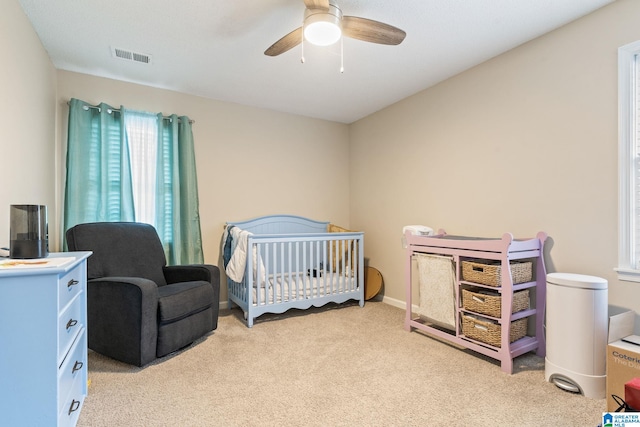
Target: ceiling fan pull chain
<point>302,45</point>
<point>341,55</point>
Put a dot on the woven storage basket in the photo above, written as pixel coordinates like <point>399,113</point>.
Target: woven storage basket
<point>489,332</point>
<point>475,300</point>
<point>490,274</point>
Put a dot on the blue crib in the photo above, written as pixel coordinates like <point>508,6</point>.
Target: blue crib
<point>279,262</point>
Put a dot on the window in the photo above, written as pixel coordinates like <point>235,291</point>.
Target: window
<point>629,162</point>
<point>142,136</point>
<point>126,165</point>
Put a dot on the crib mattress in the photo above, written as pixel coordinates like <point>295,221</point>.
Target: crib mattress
<point>289,287</point>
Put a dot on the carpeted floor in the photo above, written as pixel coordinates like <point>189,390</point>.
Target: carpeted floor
<point>331,366</point>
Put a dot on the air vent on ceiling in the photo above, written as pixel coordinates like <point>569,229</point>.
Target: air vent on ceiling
<point>128,55</point>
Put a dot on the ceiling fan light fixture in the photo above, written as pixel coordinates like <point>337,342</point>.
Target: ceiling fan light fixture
<point>323,28</point>
<point>322,33</point>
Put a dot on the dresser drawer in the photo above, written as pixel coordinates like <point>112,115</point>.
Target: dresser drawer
<point>73,370</point>
<point>71,406</point>
<point>70,322</point>
<point>70,285</point>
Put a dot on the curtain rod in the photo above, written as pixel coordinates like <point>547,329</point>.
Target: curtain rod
<point>110,110</point>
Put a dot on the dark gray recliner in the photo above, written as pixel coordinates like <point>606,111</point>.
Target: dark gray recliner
<point>139,308</point>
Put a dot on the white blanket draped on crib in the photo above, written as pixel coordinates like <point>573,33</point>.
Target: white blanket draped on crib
<point>437,292</point>
<point>236,266</point>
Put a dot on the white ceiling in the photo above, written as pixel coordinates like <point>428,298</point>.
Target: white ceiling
<point>214,48</point>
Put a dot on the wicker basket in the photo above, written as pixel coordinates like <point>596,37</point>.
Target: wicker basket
<point>482,302</point>
<point>489,274</point>
<point>489,332</point>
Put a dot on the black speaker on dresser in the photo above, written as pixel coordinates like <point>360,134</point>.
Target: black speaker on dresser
<point>29,232</point>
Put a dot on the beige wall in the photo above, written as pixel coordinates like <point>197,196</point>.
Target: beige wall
<point>27,118</point>
<point>250,161</point>
<point>523,143</point>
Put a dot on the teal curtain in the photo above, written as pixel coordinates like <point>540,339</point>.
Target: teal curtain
<point>177,205</point>
<point>99,184</point>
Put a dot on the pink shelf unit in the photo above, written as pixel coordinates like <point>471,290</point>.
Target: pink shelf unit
<point>503,250</point>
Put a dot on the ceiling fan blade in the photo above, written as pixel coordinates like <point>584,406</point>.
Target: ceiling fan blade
<point>287,42</point>
<point>371,31</point>
<point>317,4</point>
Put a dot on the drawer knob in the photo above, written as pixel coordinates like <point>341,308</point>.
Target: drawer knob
<point>71,323</point>
<point>72,282</point>
<point>75,405</point>
<point>76,367</point>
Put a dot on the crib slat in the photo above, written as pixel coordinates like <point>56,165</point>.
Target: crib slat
<point>347,268</point>
<point>288,270</point>
<point>247,280</point>
<point>325,272</point>
<point>274,263</point>
<point>259,273</point>
<point>297,268</point>
<point>307,283</point>
<point>280,274</point>
<point>264,289</point>
<point>340,285</point>
<point>352,264</point>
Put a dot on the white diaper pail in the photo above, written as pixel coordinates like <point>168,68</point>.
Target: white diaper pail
<point>576,333</point>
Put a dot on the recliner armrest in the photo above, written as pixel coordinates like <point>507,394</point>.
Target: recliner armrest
<point>188,273</point>
<point>122,313</point>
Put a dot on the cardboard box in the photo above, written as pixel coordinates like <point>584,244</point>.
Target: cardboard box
<point>623,363</point>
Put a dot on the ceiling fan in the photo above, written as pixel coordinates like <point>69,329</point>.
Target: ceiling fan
<point>324,24</point>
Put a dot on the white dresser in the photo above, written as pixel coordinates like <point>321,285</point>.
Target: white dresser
<point>43,340</point>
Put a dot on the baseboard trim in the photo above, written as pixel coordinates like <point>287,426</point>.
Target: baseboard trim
<point>394,302</point>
